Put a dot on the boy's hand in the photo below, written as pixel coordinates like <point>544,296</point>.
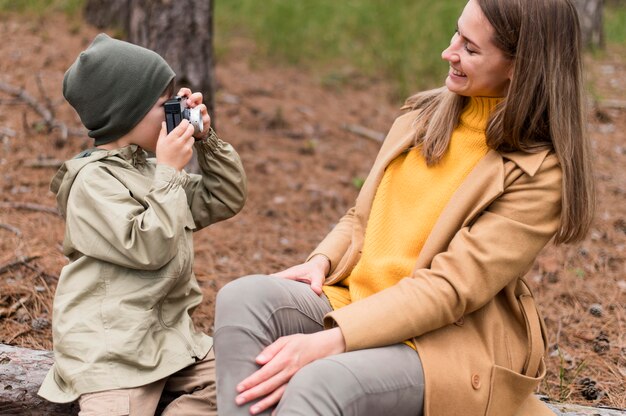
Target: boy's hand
<point>175,149</point>
<point>195,100</point>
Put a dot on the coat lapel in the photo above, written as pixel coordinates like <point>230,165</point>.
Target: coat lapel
<point>399,139</point>
<point>481,187</point>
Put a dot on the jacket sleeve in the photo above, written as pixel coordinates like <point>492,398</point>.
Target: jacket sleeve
<point>337,242</point>
<point>221,190</point>
<point>481,259</point>
<point>104,222</point>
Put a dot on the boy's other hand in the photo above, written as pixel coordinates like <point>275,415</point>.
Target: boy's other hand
<point>194,99</point>
<point>175,149</point>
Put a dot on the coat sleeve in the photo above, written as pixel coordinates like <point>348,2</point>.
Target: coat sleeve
<point>337,242</point>
<point>481,259</point>
<point>104,222</point>
<point>221,190</point>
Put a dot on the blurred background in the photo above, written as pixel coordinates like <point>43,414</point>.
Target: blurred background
<point>305,91</point>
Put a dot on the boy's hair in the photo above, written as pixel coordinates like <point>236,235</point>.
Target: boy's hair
<point>113,84</point>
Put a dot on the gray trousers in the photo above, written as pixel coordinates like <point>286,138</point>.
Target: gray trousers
<point>254,311</point>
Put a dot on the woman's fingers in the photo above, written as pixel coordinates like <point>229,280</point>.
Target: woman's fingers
<point>307,273</point>
<point>269,401</point>
<point>267,388</point>
<point>271,350</point>
<point>270,367</point>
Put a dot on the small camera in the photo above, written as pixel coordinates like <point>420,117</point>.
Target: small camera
<point>176,110</point>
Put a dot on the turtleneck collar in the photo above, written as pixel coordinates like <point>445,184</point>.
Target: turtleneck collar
<point>477,110</point>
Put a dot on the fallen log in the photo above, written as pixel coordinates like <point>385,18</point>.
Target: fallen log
<point>22,371</point>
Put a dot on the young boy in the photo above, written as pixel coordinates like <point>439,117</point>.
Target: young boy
<point>121,324</point>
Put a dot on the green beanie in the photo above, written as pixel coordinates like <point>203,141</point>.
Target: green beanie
<point>113,84</point>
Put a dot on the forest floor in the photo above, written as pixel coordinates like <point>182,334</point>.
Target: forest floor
<point>304,168</point>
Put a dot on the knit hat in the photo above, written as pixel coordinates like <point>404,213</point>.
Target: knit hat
<point>113,84</point>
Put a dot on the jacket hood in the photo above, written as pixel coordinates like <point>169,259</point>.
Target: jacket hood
<point>66,175</point>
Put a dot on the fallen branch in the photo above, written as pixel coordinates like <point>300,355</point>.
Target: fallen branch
<point>30,207</point>
<point>617,104</point>
<point>11,228</point>
<point>8,311</point>
<point>364,132</point>
<point>20,261</point>
<point>44,163</point>
<point>46,112</point>
<point>7,132</point>
<point>23,371</point>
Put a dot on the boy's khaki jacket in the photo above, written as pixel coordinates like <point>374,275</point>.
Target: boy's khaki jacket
<point>122,306</point>
<point>466,305</point>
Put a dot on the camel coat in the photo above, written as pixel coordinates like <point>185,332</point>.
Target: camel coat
<point>466,305</point>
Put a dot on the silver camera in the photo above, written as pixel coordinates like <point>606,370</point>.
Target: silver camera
<point>176,110</point>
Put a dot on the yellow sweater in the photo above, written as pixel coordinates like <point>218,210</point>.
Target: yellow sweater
<point>408,202</point>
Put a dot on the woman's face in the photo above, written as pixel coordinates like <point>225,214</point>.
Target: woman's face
<point>477,67</point>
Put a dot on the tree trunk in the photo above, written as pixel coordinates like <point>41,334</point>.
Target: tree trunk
<point>181,31</point>
<point>591,22</point>
<point>107,13</point>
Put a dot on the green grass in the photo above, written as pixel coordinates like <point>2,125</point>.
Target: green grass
<point>400,41</point>
<point>41,7</point>
<point>615,22</point>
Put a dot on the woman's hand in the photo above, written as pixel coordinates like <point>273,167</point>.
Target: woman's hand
<point>195,100</point>
<point>281,360</point>
<point>175,149</point>
<point>312,272</point>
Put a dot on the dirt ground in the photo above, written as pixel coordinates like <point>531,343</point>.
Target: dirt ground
<point>303,168</point>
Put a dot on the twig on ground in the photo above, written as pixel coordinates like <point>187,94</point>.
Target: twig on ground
<point>20,261</point>
<point>44,163</point>
<point>11,228</point>
<point>41,273</point>
<point>7,132</point>
<point>14,307</point>
<point>18,334</point>
<point>617,104</point>
<point>42,92</point>
<point>364,132</point>
<point>30,207</point>
<point>45,111</point>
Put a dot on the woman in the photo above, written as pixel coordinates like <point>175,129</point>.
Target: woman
<point>423,308</point>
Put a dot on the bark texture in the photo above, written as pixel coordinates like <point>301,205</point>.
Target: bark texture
<point>591,22</point>
<point>181,31</point>
<point>22,372</point>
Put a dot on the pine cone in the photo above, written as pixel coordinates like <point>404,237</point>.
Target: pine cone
<point>588,389</point>
<point>601,343</point>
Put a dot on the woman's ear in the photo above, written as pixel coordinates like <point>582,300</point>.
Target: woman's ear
<point>511,70</point>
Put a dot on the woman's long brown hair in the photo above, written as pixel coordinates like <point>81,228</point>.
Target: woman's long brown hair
<point>544,106</point>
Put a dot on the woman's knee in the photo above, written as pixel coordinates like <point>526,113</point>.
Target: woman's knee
<point>241,287</point>
<point>245,297</point>
<point>331,381</point>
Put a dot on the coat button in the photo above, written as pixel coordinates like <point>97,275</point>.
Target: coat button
<point>460,322</point>
<point>476,381</point>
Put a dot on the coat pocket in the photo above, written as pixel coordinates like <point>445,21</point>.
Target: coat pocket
<point>509,389</point>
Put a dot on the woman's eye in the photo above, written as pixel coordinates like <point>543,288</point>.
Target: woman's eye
<point>467,48</point>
